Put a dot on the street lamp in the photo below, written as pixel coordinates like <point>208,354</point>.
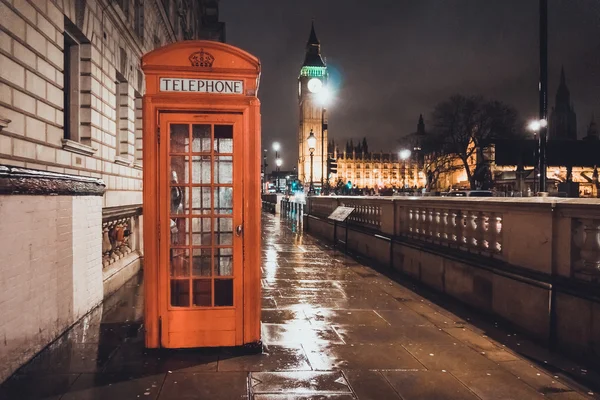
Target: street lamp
<point>312,144</point>
<point>276,148</point>
<point>278,163</point>
<point>264,172</point>
<point>535,126</point>
<point>404,155</point>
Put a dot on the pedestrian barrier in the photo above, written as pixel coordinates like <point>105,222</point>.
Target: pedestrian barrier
<point>292,210</point>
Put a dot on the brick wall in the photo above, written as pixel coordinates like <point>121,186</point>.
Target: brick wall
<point>51,270</point>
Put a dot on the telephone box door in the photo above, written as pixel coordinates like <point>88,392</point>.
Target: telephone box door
<point>201,230</point>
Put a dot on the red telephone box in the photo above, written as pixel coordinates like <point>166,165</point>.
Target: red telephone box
<point>202,155</point>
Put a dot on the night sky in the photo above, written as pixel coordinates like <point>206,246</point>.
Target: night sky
<point>391,60</point>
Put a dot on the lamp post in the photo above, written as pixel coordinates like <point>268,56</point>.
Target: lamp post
<point>276,148</point>
<point>543,88</point>
<point>264,172</point>
<point>536,127</point>
<point>404,155</point>
<point>312,144</point>
<point>278,163</point>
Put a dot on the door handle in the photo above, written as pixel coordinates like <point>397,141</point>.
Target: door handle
<point>238,230</point>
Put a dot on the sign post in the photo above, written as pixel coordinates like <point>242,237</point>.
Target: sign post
<point>340,214</point>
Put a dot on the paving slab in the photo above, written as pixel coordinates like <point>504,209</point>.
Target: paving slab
<point>428,385</point>
<point>332,328</point>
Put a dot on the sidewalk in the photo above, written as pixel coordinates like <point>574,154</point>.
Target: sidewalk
<point>332,329</point>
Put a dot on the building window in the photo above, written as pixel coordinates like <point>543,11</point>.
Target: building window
<point>167,6</point>
<point>358,175</point>
<point>71,93</point>
<point>138,18</point>
<point>122,117</point>
<point>124,4</point>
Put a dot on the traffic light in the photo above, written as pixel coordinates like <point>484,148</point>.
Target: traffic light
<point>331,166</point>
<point>349,185</point>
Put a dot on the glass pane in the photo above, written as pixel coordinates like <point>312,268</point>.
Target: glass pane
<point>224,138</point>
<point>180,293</point>
<point>223,292</point>
<point>223,200</point>
<point>201,232</point>
<point>201,200</point>
<point>180,263</point>
<point>179,170</point>
<point>201,169</point>
<point>180,138</point>
<point>202,292</point>
<point>201,262</point>
<point>223,231</point>
<point>180,200</point>
<point>224,262</point>
<point>201,138</point>
<point>223,169</point>
<point>179,232</point>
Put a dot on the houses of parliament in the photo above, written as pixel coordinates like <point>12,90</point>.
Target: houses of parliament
<point>512,165</point>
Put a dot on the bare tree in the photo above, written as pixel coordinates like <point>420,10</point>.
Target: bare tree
<point>465,126</point>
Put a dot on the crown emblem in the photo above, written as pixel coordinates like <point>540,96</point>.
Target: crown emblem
<point>202,59</point>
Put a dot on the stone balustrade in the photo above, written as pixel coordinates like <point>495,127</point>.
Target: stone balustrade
<point>534,262</point>
<point>525,232</point>
<point>115,240</point>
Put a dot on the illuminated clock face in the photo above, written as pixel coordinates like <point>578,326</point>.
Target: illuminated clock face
<point>315,85</point>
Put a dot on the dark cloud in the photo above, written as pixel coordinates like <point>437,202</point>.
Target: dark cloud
<point>395,59</point>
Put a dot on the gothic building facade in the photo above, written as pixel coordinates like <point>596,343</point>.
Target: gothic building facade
<point>563,120</point>
<point>379,170</point>
<point>71,169</point>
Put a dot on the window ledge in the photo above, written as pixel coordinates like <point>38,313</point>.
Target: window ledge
<point>137,165</point>
<point>123,161</point>
<point>76,147</point>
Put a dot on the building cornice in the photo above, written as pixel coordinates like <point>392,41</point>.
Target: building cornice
<point>25,181</point>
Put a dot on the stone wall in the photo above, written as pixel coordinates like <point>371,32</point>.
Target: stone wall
<point>50,270</point>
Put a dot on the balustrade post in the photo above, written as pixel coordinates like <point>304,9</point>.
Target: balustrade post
<point>492,233</point>
<point>589,252</point>
<point>437,225</point>
<point>424,223</point>
<point>446,226</point>
<point>469,241</point>
<point>458,227</point>
<point>416,221</point>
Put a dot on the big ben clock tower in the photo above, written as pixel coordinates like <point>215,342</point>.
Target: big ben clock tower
<point>312,87</point>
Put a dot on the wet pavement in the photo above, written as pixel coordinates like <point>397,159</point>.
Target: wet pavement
<point>332,328</point>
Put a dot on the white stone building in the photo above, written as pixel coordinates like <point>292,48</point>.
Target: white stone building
<point>71,154</point>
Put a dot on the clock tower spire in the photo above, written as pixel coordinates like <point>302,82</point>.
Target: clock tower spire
<point>312,85</point>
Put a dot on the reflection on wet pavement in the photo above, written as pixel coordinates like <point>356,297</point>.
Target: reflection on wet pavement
<point>332,329</point>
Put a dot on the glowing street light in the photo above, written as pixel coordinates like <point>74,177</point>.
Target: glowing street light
<point>404,155</point>
<point>276,146</point>
<point>278,162</point>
